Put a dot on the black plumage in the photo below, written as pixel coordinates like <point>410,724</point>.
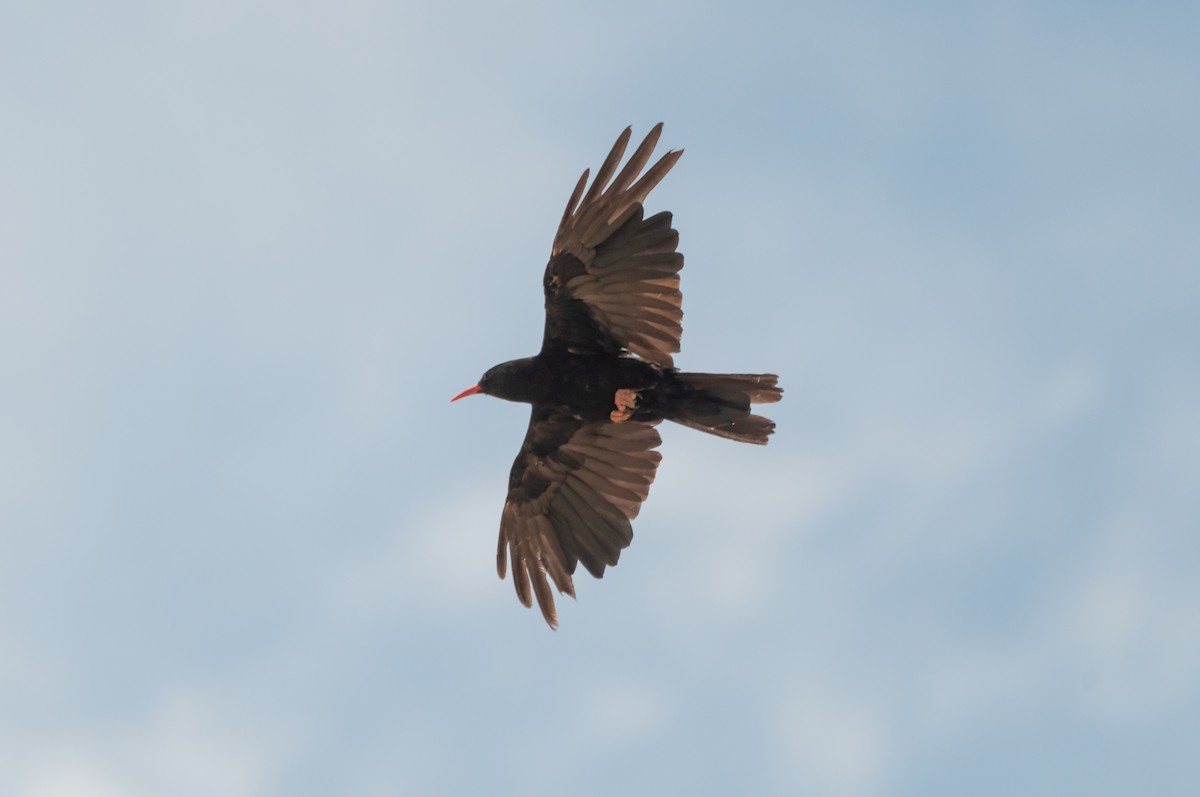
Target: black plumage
<point>604,378</point>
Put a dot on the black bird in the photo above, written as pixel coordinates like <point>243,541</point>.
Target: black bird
<point>603,379</point>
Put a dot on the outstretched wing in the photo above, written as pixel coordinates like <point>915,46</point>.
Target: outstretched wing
<point>573,489</point>
<point>612,283</point>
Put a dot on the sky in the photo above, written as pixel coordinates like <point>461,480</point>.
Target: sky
<point>249,250</point>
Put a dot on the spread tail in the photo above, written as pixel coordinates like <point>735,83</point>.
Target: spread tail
<point>720,404</point>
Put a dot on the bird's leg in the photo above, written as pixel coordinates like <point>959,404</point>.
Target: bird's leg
<point>626,401</point>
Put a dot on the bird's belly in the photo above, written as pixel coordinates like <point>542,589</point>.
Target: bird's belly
<point>588,385</point>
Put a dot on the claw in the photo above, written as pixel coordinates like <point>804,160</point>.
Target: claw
<point>626,402</point>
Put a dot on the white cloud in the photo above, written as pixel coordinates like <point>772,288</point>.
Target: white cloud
<point>72,778</point>
<point>1135,636</point>
<point>623,713</point>
<point>831,742</point>
<point>188,745</point>
<point>1130,611</point>
<point>443,558</point>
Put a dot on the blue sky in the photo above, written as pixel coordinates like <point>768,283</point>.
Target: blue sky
<point>248,251</point>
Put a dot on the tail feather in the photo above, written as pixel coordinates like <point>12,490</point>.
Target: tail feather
<point>720,404</point>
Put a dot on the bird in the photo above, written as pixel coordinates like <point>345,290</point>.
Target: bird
<point>604,378</point>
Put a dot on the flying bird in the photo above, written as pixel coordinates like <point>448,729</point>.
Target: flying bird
<point>602,381</point>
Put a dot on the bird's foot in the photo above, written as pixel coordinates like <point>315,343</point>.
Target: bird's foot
<point>626,401</point>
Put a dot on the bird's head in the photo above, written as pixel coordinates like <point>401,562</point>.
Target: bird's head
<point>507,381</point>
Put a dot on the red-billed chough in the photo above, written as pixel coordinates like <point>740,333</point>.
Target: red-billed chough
<point>603,379</point>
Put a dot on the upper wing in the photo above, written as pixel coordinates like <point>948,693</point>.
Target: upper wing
<point>612,283</point>
<point>573,489</point>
